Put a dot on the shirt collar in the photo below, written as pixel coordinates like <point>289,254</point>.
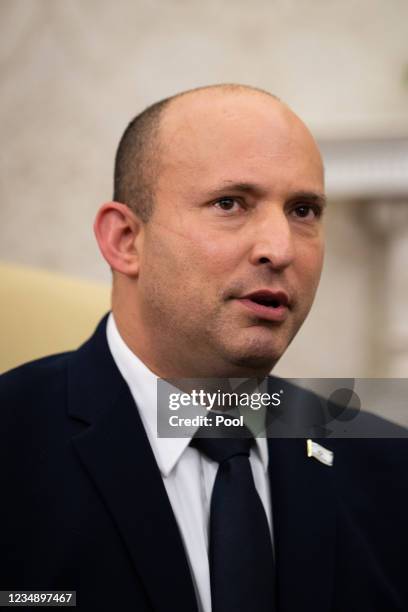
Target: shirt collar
<point>142,383</point>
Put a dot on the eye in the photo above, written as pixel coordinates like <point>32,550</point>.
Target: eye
<point>227,204</point>
<point>308,211</point>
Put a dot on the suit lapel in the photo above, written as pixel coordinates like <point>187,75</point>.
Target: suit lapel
<point>304,527</point>
<point>116,454</point>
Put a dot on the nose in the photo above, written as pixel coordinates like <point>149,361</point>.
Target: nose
<point>273,243</point>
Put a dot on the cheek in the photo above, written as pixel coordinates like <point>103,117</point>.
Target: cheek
<point>309,265</point>
<point>214,256</point>
<point>198,252</point>
<point>182,266</point>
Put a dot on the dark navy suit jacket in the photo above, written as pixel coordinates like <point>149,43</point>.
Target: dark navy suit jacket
<point>83,506</point>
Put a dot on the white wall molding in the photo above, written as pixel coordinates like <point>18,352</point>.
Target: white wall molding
<point>369,169</point>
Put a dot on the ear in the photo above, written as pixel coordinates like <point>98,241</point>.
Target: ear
<point>119,232</point>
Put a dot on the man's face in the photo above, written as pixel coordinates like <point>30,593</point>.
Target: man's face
<point>232,254</point>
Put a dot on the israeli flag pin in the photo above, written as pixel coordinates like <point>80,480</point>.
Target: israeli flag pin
<point>324,455</point>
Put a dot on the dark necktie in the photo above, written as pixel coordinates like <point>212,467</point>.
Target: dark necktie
<point>240,549</point>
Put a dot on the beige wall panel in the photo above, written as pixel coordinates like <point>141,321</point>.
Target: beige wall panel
<point>73,73</point>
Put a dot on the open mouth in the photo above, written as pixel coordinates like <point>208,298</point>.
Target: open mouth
<point>265,304</point>
<point>266,301</point>
<point>270,299</point>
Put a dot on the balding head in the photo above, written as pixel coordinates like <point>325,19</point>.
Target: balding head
<point>149,137</point>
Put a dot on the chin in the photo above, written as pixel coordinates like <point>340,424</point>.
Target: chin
<point>258,357</point>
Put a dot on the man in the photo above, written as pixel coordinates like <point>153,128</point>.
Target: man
<point>215,241</point>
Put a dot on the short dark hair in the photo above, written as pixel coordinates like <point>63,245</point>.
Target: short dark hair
<point>137,162</point>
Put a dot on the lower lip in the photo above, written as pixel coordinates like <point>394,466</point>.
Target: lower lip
<point>265,312</point>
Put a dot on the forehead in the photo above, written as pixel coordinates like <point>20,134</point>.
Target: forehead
<point>215,136</point>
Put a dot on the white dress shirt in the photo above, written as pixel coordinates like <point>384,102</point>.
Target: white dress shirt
<point>188,476</point>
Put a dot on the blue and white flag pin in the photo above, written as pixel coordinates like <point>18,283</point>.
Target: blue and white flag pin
<point>324,455</point>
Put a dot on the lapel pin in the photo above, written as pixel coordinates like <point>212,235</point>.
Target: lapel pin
<point>324,455</point>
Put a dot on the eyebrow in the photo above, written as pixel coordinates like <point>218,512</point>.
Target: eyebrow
<point>251,188</point>
<point>311,197</point>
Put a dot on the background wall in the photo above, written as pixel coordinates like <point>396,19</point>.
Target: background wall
<point>73,72</point>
